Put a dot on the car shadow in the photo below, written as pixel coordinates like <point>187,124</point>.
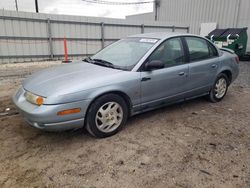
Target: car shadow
<point>169,108</point>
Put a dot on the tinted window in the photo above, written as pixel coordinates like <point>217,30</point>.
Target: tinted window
<point>169,52</point>
<point>125,53</point>
<point>212,50</point>
<point>199,49</point>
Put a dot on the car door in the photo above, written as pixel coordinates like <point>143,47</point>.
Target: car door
<point>203,65</point>
<point>166,84</point>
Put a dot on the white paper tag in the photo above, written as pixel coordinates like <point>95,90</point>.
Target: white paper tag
<point>149,40</point>
<point>218,44</point>
<point>225,44</point>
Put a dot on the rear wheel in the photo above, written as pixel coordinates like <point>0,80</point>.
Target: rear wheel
<point>106,116</point>
<point>219,88</point>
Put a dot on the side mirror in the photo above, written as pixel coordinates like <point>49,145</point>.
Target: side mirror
<point>154,64</point>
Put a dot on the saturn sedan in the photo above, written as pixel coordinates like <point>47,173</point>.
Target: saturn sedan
<point>133,75</point>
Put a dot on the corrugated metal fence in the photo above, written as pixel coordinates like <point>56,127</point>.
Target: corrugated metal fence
<point>30,36</point>
<point>226,13</point>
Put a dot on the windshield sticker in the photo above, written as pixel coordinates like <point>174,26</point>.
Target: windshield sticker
<point>149,40</point>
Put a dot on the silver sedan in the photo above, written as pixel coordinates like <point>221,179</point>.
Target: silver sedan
<point>133,75</point>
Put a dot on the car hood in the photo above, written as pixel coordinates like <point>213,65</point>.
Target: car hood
<point>69,78</point>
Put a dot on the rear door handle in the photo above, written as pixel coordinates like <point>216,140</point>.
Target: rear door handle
<point>145,79</point>
<point>181,73</point>
<point>214,66</point>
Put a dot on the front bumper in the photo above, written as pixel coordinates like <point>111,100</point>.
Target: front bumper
<point>59,126</point>
<point>45,117</point>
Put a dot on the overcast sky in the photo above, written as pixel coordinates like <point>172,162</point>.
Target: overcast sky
<point>79,7</point>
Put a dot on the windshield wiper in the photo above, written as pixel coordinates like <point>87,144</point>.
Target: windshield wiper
<point>88,59</point>
<point>103,63</point>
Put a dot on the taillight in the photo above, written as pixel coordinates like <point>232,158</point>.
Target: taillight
<point>237,59</point>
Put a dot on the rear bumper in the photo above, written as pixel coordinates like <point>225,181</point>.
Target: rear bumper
<point>235,74</point>
<point>45,117</point>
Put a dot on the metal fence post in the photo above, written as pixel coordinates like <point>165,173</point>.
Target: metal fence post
<point>102,34</point>
<point>142,28</point>
<point>188,29</point>
<point>173,28</point>
<point>50,39</point>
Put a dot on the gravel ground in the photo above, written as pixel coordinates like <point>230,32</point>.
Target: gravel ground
<point>244,77</point>
<point>192,144</point>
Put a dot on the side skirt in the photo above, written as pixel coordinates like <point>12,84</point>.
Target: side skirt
<point>135,111</point>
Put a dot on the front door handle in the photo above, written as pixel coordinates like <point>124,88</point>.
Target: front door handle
<point>181,73</point>
<point>145,79</point>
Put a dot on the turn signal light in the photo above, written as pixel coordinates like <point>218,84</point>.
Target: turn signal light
<point>69,111</point>
<point>39,101</point>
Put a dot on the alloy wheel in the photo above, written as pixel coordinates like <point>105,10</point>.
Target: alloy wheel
<point>109,117</point>
<point>220,88</point>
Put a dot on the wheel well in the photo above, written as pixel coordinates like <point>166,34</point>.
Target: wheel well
<point>229,75</point>
<point>121,94</point>
<point>125,97</point>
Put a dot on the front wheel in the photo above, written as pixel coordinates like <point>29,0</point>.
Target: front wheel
<point>219,88</point>
<point>106,115</point>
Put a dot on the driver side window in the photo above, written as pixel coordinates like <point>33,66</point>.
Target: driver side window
<point>170,52</point>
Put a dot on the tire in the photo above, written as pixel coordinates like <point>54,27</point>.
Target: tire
<point>106,116</point>
<point>216,94</point>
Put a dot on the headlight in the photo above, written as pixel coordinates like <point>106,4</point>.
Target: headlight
<point>35,99</point>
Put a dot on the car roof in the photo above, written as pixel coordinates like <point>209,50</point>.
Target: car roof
<point>161,35</point>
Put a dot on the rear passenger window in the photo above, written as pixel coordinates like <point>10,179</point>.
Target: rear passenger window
<point>199,49</point>
<point>212,50</point>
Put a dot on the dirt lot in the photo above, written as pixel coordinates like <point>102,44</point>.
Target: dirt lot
<point>193,144</point>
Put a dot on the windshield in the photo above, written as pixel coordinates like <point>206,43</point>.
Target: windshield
<point>125,54</point>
